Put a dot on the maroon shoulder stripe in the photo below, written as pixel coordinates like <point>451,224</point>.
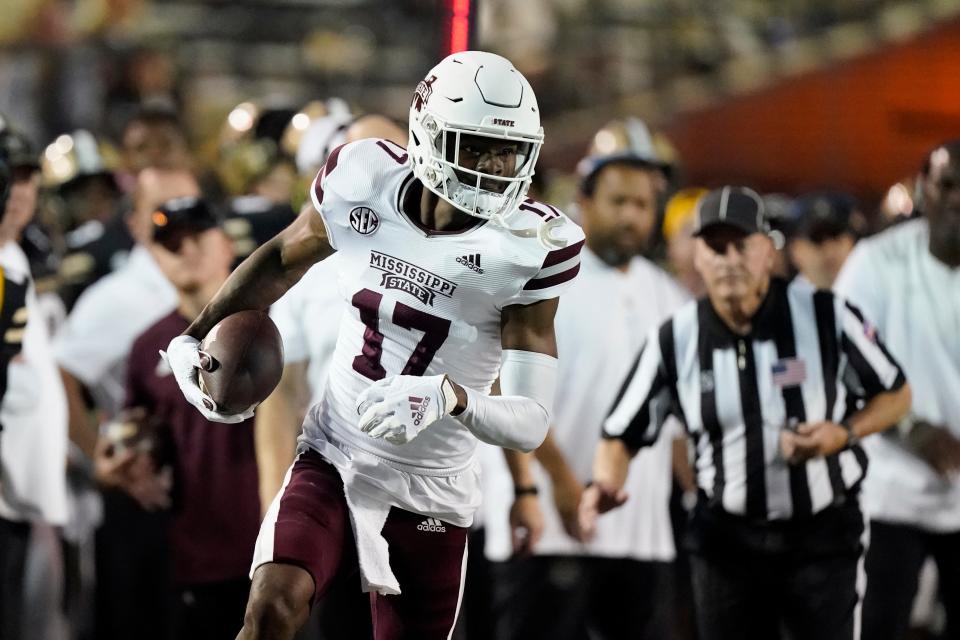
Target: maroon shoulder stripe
<point>552,281</point>
<point>318,187</point>
<point>400,158</point>
<point>326,170</point>
<point>562,255</point>
<point>332,159</point>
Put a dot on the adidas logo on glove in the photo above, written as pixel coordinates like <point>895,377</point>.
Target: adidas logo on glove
<point>432,524</point>
<point>419,407</point>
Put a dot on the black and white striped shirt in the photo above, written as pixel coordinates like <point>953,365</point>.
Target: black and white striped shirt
<point>810,356</point>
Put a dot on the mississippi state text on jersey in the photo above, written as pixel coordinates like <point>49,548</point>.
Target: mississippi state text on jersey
<point>422,302</point>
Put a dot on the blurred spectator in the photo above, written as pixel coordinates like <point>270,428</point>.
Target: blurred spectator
<point>619,583</point>
<point>92,350</point>
<point>153,137</point>
<point>679,221</point>
<point>216,511</point>
<point>80,169</point>
<point>33,415</point>
<point>101,244</point>
<point>825,229</point>
<point>146,76</point>
<point>907,280</point>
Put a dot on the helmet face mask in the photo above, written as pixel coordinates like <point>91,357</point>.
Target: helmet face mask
<point>474,111</point>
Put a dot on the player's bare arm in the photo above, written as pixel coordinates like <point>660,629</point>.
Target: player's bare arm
<point>611,463</point>
<point>567,488</point>
<point>268,272</point>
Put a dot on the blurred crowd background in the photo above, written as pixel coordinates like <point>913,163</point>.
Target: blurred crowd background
<point>825,106</point>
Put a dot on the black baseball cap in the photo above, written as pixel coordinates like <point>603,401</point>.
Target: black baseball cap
<point>737,207</point>
<point>820,216</point>
<point>179,218</point>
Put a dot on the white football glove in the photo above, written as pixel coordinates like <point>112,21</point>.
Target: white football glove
<point>398,408</point>
<point>183,358</point>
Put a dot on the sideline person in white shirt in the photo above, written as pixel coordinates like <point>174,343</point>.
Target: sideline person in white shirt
<point>617,584</point>
<point>91,350</point>
<point>907,280</point>
<point>33,424</point>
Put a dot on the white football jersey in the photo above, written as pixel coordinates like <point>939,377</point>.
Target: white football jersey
<point>421,302</point>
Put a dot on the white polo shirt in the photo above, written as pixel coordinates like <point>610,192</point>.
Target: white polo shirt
<point>600,326</point>
<point>94,342</point>
<point>33,444</point>
<point>914,300</point>
<point>308,317</point>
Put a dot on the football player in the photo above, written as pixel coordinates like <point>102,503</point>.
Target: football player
<point>451,276</point>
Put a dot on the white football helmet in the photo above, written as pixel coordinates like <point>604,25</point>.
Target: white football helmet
<point>480,94</point>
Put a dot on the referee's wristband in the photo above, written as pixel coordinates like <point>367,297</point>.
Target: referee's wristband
<point>526,491</point>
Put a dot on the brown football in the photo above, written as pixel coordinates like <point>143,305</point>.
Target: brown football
<point>247,355</point>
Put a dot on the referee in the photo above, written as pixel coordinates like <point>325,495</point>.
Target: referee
<point>776,384</point>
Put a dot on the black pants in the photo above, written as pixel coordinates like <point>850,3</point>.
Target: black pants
<point>211,611</point>
<point>575,598</point>
<point>14,540</point>
<point>762,581</point>
<point>896,554</point>
<point>133,572</point>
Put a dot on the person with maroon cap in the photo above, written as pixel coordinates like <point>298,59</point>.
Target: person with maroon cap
<point>215,509</point>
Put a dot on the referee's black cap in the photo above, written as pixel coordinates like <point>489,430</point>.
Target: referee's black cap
<point>738,207</point>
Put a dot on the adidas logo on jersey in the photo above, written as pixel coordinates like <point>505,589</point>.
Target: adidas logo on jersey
<point>471,261</point>
<point>418,406</point>
<point>432,524</point>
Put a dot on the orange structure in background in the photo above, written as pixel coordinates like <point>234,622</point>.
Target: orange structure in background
<point>861,124</point>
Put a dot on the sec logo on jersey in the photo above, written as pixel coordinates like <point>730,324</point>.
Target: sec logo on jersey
<point>364,220</point>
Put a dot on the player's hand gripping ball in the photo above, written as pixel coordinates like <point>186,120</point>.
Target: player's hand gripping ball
<point>236,367</point>
<point>399,408</point>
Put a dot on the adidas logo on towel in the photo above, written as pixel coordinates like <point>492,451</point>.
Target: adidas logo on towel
<point>431,524</point>
<point>471,261</point>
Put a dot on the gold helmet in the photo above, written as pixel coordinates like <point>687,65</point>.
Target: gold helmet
<point>303,120</point>
<point>628,139</point>
<point>77,155</point>
<point>249,144</point>
<point>681,207</point>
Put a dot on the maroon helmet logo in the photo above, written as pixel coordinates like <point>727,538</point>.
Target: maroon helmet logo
<point>423,92</point>
<point>503,123</point>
